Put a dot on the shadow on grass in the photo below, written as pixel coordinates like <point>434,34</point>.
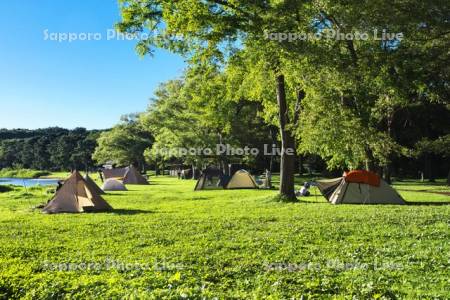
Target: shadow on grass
<point>300,200</point>
<point>425,191</point>
<point>311,201</point>
<point>5,188</point>
<point>199,198</point>
<point>123,193</point>
<point>417,182</point>
<point>123,211</point>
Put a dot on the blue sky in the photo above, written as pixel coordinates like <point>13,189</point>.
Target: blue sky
<point>79,84</point>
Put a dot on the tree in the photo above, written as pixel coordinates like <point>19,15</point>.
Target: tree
<point>47,149</point>
<point>175,125</point>
<point>124,144</point>
<point>193,112</point>
<point>355,88</point>
<point>85,147</point>
<point>439,146</point>
<point>205,26</point>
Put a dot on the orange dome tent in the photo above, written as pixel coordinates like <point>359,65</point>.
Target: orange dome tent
<point>359,186</point>
<point>363,176</point>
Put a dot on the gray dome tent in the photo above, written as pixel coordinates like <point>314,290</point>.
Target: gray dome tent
<point>211,179</point>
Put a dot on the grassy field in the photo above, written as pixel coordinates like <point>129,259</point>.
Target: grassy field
<point>166,241</point>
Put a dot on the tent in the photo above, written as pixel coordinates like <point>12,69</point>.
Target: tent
<point>233,168</point>
<point>113,185</point>
<point>190,174</point>
<point>92,185</point>
<point>211,178</point>
<point>132,176</point>
<point>359,186</point>
<point>114,173</point>
<point>75,196</point>
<point>129,175</point>
<point>242,180</point>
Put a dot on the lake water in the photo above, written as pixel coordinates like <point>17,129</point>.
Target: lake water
<point>27,181</point>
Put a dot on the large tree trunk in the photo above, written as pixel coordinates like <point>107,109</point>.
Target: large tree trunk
<point>142,168</point>
<point>273,135</point>
<point>300,96</point>
<point>388,167</point>
<point>287,165</point>
<point>193,171</point>
<point>388,173</point>
<point>224,165</point>
<point>370,161</point>
<point>429,174</point>
<point>300,164</point>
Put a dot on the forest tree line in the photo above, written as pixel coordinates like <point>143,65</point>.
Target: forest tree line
<point>52,149</point>
<point>176,119</point>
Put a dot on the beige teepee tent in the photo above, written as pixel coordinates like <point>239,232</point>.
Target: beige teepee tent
<point>92,185</point>
<point>360,187</point>
<point>242,180</point>
<point>75,196</point>
<point>132,176</point>
<point>114,173</point>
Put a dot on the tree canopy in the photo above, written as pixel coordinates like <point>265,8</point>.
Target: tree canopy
<point>332,94</point>
<point>124,144</point>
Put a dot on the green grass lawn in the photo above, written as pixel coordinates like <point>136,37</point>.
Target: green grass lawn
<point>166,241</point>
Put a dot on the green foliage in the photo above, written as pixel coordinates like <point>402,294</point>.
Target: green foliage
<point>193,113</point>
<point>226,244</point>
<point>47,149</point>
<point>22,173</point>
<point>440,146</point>
<point>174,123</point>
<point>358,86</point>
<point>124,144</point>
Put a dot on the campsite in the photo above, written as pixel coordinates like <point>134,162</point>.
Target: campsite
<point>225,149</point>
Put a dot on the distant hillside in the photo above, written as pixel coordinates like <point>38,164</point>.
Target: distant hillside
<point>51,148</point>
